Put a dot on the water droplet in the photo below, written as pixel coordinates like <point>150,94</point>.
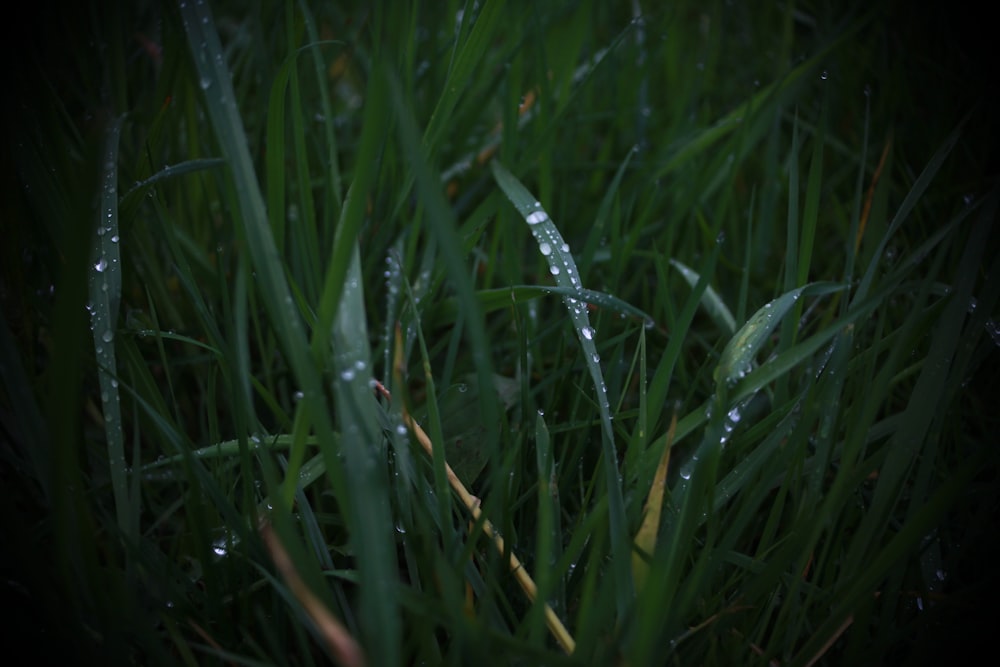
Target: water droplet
<point>205,83</point>
<point>596,357</point>
<point>298,396</point>
<point>536,216</point>
<point>462,388</point>
<point>823,75</point>
<point>565,247</point>
<point>101,265</point>
<point>554,270</point>
<point>734,415</point>
<point>108,336</point>
<point>545,249</point>
<point>588,333</point>
<point>400,429</point>
<point>347,374</point>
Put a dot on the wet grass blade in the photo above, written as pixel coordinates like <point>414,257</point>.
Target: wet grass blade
<point>738,356</point>
<point>563,267</point>
<point>105,297</point>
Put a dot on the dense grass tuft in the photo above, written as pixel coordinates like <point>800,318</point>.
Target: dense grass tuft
<point>518,333</point>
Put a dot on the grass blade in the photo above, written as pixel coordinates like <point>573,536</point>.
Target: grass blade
<point>562,266</point>
<point>105,297</point>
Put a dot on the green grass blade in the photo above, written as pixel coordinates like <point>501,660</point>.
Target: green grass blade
<point>446,311</point>
<point>738,356</point>
<point>710,300</point>
<point>105,297</point>
<point>563,267</point>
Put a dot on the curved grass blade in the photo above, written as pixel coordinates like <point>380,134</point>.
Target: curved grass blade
<point>136,193</point>
<point>447,311</point>
<point>563,268</point>
<point>710,299</point>
<point>738,356</point>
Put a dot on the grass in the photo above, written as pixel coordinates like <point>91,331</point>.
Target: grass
<point>269,282</point>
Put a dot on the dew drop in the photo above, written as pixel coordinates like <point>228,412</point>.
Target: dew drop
<point>101,265</point>
<point>554,270</point>
<point>347,374</point>
<point>588,333</point>
<point>108,336</point>
<point>536,216</point>
<point>545,249</point>
<point>734,415</point>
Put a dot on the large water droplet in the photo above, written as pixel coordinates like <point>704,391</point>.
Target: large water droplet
<point>545,249</point>
<point>101,265</point>
<point>536,216</point>
<point>588,333</point>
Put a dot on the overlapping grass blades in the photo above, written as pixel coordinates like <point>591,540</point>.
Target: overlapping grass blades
<point>365,497</point>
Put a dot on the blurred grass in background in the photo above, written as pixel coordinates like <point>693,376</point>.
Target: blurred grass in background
<point>751,246</point>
